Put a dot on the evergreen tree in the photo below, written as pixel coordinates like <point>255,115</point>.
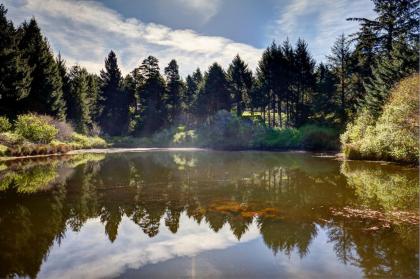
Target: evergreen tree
<point>153,114</point>
<point>402,62</point>
<point>174,88</point>
<point>78,103</point>
<point>396,20</point>
<point>323,104</point>
<point>113,100</point>
<point>215,95</point>
<point>240,79</point>
<point>341,64</point>
<point>15,76</point>
<point>265,82</point>
<point>93,96</point>
<point>305,82</point>
<point>290,79</point>
<point>363,58</point>
<point>46,95</point>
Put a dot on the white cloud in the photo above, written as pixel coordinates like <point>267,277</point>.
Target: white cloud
<point>206,8</point>
<point>319,22</point>
<point>85,31</point>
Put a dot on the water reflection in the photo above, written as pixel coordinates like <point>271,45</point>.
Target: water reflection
<point>189,202</point>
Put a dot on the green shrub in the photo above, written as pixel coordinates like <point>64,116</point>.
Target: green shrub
<point>79,141</point>
<point>10,139</point>
<point>394,135</point>
<point>3,150</point>
<point>4,124</point>
<point>318,138</point>
<point>35,128</point>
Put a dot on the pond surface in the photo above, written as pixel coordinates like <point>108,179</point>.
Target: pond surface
<point>207,214</point>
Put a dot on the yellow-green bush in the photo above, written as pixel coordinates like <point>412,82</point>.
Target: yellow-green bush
<point>79,141</point>
<point>3,150</point>
<point>35,128</point>
<point>5,124</point>
<point>10,139</point>
<point>394,136</point>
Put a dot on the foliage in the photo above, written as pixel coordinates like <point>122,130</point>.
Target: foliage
<point>5,124</point>
<point>240,80</point>
<point>113,101</point>
<point>81,142</point>
<point>77,100</point>
<point>9,138</point>
<point>15,79</point>
<point>3,150</point>
<point>45,95</point>
<point>394,136</point>
<point>35,128</point>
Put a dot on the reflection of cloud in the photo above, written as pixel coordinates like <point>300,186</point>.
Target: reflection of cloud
<point>77,256</point>
<point>87,33</point>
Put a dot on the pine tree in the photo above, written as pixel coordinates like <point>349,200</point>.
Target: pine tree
<point>215,94</point>
<point>305,81</point>
<point>396,21</point>
<point>15,76</point>
<point>341,65</point>
<point>323,104</point>
<point>93,96</point>
<point>363,58</point>
<point>78,103</point>
<point>402,62</point>
<point>113,100</point>
<point>240,80</point>
<point>290,79</point>
<point>153,114</point>
<point>174,88</point>
<point>46,95</point>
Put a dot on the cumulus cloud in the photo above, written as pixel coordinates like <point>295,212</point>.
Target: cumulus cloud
<point>85,31</point>
<point>319,22</point>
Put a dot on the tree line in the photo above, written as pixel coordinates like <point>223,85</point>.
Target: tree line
<point>288,88</point>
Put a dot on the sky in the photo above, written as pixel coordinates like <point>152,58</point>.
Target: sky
<point>194,32</point>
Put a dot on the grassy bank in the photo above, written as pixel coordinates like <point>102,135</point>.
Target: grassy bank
<point>31,135</point>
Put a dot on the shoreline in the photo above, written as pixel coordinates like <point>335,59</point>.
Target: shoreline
<point>317,153</point>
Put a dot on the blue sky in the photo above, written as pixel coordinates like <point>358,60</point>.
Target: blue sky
<point>195,32</point>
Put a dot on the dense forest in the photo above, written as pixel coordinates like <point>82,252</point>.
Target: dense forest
<point>288,90</point>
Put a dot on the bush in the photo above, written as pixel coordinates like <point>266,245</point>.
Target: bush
<point>79,141</point>
<point>3,150</point>
<point>10,139</point>
<point>394,136</point>
<point>5,125</point>
<point>318,138</point>
<point>35,128</point>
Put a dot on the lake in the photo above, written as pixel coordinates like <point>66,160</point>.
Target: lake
<point>207,214</point>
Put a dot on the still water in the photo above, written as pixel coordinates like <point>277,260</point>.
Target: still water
<point>207,214</point>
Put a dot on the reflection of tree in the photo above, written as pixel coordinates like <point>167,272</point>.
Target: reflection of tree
<point>285,236</point>
<point>388,187</point>
<point>287,195</point>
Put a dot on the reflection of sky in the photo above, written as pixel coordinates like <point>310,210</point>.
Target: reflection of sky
<point>194,249</point>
